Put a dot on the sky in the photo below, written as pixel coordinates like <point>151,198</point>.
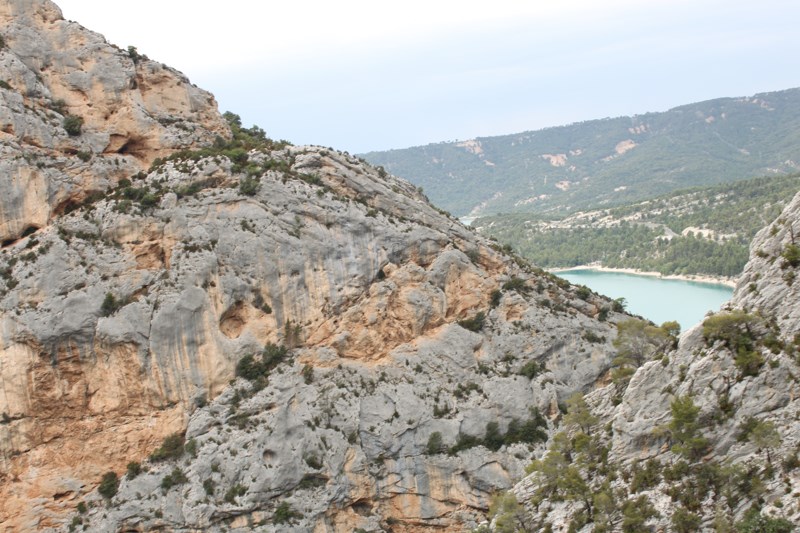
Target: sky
<point>360,75</point>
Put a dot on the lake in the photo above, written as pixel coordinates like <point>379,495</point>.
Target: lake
<point>656,299</point>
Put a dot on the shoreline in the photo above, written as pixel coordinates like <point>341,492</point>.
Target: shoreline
<point>700,278</point>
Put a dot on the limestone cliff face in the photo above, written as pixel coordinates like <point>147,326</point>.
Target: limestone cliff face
<point>739,453</point>
<point>129,295</point>
<point>352,268</point>
<point>129,110</point>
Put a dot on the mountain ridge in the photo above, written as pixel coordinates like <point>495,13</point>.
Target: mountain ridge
<point>601,163</point>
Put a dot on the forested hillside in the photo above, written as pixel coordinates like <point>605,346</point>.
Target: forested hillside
<point>698,231</point>
<point>608,162</point>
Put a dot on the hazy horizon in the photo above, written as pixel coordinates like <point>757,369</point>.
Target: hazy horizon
<point>363,77</point>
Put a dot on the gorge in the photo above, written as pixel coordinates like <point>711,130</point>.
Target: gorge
<point>203,329</point>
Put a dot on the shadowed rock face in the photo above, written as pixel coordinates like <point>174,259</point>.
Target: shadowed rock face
<point>123,315</point>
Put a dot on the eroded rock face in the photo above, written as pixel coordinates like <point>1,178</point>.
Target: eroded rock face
<point>127,110</point>
<point>121,317</point>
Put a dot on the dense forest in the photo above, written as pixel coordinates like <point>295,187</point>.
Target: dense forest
<point>697,231</point>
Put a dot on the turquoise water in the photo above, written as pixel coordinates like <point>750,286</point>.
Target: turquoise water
<point>656,299</point>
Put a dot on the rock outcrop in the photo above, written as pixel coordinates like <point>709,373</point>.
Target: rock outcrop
<point>705,436</point>
<point>394,368</point>
<point>78,114</point>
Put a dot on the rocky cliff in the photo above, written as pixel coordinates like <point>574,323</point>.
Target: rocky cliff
<point>78,114</point>
<point>221,331</point>
<point>700,438</point>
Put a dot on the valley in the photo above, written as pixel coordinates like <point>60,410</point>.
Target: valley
<point>702,231</point>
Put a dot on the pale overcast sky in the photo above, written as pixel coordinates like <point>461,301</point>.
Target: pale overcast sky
<point>362,75</point>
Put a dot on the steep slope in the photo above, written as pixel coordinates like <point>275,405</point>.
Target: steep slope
<point>364,283</point>
<point>370,332</point>
<point>704,437</point>
<point>601,163</point>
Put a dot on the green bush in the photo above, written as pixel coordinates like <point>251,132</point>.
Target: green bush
<point>583,292</point>
<point>176,477</point>
<point>734,329</point>
<point>110,305</point>
<point>493,438</point>
<point>749,362</point>
<point>516,284</point>
<point>249,186</point>
<point>791,256</point>
<point>638,341</point>
<point>313,461</point>
<point>171,448</point>
<point>495,298</point>
<point>435,443</point>
<point>530,431</point>
<point>285,514</point>
<point>253,369</point>
<point>635,512</point>
<point>134,469</point>
<point>238,156</point>
<point>685,428</point>
<point>59,106</point>
<point>308,374</point>
<point>108,485</point>
<point>134,54</point>
<point>647,477</point>
<point>191,447</point>
<point>755,522</point>
<point>531,369</point>
<point>684,521</point>
<point>464,442</point>
<point>579,414</point>
<point>475,323</point>
<point>234,492</point>
<point>590,336</point>
<point>73,125</point>
<point>506,512</point>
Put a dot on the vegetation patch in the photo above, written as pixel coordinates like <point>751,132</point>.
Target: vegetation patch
<point>474,323</point>
<point>73,125</point>
<point>171,448</point>
<point>256,368</point>
<point>109,485</point>
<point>530,431</point>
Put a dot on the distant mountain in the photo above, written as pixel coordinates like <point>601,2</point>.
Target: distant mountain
<point>703,230</point>
<point>607,162</point>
